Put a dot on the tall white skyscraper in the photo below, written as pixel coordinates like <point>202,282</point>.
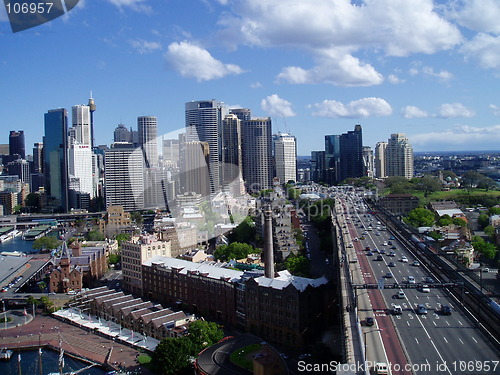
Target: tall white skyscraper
<point>285,157</point>
<point>148,141</point>
<point>124,176</point>
<point>81,171</point>
<point>204,123</point>
<point>81,124</point>
<point>380,157</point>
<point>368,162</point>
<point>399,156</point>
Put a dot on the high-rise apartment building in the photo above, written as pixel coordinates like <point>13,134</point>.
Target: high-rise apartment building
<point>16,143</point>
<point>56,158</point>
<point>148,139</point>
<point>124,176</point>
<point>351,154</point>
<point>204,123</point>
<point>380,149</point>
<point>81,124</point>
<point>368,162</point>
<point>399,156</point>
<point>285,157</point>
<point>257,153</point>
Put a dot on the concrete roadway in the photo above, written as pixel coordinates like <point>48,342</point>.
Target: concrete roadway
<point>434,343</point>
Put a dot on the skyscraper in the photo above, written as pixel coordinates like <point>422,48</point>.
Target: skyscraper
<point>257,153</point>
<point>92,108</point>
<point>399,156</point>
<point>232,159</point>
<point>122,134</point>
<point>38,157</point>
<point>332,159</point>
<point>380,149</point>
<point>204,123</point>
<point>80,164</point>
<point>285,157</point>
<point>124,176</point>
<point>16,143</point>
<point>148,133</point>
<point>56,158</point>
<point>368,163</point>
<point>195,175</point>
<point>351,154</point>
<point>81,124</point>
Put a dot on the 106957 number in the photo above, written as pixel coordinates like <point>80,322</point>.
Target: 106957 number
<point>29,8</point>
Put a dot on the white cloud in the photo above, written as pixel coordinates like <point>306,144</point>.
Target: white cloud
<point>256,85</point>
<point>276,106</point>
<point>411,111</point>
<point>461,135</point>
<point>394,79</point>
<point>362,108</point>
<point>477,15</point>
<point>485,49</point>
<point>496,109</point>
<point>144,46</point>
<point>427,71</point>
<point>449,110</point>
<point>136,5</point>
<point>195,62</point>
<point>335,67</point>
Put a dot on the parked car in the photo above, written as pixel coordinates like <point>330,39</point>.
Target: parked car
<point>370,321</point>
<point>445,310</point>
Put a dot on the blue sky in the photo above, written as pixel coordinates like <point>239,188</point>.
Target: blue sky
<point>429,69</point>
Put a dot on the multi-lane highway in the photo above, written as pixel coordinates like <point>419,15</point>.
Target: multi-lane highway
<point>433,341</point>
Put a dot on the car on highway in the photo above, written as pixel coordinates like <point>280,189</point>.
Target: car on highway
<point>445,310</point>
<point>404,259</point>
<point>388,275</point>
<point>369,253</point>
<point>416,263</point>
<point>421,309</point>
<point>379,257</point>
<point>429,280</point>
<point>397,310</point>
<point>411,280</point>
<point>426,289</point>
<point>400,295</point>
<point>370,321</point>
<point>392,254</point>
<point>392,264</point>
<point>382,251</point>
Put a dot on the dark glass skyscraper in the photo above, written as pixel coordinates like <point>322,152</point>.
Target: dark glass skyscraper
<point>16,143</point>
<point>55,147</point>
<point>351,154</point>
<point>332,159</point>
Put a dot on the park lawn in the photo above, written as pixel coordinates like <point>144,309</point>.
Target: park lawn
<point>143,359</point>
<point>244,356</point>
<point>453,194</point>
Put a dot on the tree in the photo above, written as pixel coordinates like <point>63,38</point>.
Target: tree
<point>42,285</point>
<point>122,237</point>
<point>171,355</point>
<point>95,235</point>
<point>471,179</point>
<point>489,231</point>
<point>483,220</point>
<point>459,221</point>
<point>33,202</point>
<point>136,217</point>
<point>444,221</point>
<point>298,265</point>
<point>427,184</point>
<point>420,217</point>
<point>114,259</point>
<point>235,250</point>
<point>485,248</point>
<point>203,334</point>
<point>46,243</point>
<point>494,211</point>
<point>244,232</point>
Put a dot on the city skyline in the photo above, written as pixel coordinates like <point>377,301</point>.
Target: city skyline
<point>432,80</point>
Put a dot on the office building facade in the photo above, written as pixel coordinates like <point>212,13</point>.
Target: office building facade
<point>148,139</point>
<point>351,154</point>
<point>16,144</point>
<point>56,158</point>
<point>124,176</point>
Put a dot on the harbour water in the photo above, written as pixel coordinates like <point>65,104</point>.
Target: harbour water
<point>30,364</point>
<point>17,244</point>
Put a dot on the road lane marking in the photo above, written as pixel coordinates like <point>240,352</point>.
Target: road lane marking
<point>444,338</point>
<point>474,339</point>
<point>459,339</point>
